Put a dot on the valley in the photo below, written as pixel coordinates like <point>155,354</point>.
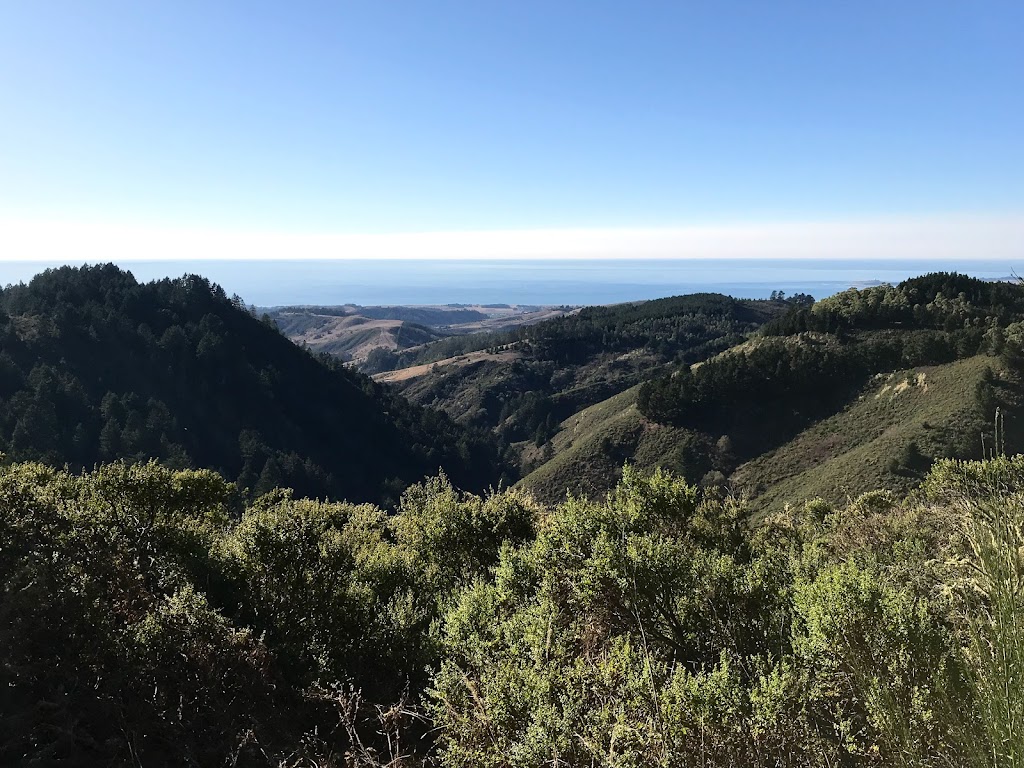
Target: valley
<point>570,412</point>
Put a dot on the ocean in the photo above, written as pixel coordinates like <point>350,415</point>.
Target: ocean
<point>544,282</point>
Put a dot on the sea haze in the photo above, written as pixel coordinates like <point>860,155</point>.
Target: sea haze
<point>548,282</point>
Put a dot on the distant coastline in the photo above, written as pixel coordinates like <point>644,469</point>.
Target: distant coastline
<point>535,282</point>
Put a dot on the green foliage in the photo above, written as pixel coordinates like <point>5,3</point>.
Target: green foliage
<point>869,443</point>
<point>150,616</point>
<point>451,537</point>
<point>953,481</point>
<point>940,301</point>
<point>639,631</point>
<point>650,630</point>
<point>927,320</point>
<point>811,363</point>
<point>996,646</point>
<point>807,375</point>
<point>109,651</point>
<point>296,562</point>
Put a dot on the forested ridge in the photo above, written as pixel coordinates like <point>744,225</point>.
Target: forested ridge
<point>670,326</point>
<point>810,353</point>
<point>95,366</point>
<point>563,365</point>
<point>807,363</point>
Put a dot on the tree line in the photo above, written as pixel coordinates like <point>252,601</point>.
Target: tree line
<point>568,363</point>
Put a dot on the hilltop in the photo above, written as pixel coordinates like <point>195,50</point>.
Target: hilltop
<point>96,366</point>
<point>862,390</point>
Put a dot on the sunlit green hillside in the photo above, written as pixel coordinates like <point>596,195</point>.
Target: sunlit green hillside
<point>886,437</point>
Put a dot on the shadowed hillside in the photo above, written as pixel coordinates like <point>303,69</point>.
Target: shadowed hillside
<point>96,366</point>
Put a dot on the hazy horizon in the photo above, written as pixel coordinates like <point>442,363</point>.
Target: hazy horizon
<point>532,282</point>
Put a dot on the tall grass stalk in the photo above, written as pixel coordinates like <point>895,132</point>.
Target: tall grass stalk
<point>996,645</point>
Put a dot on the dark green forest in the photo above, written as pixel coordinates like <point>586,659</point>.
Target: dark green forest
<point>809,362</point>
<point>674,327</point>
<point>95,366</point>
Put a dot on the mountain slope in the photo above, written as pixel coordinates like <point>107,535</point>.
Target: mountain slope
<point>587,454</point>
<point>885,438</point>
<point>95,366</point>
<point>811,405</point>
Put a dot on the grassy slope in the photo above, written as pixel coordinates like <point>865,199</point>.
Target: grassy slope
<point>852,451</point>
<point>350,337</point>
<point>358,343</point>
<point>407,374</point>
<point>840,456</point>
<point>351,332</point>
<point>592,446</point>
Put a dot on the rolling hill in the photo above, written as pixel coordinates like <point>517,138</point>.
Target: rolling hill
<point>522,383</point>
<point>349,337</point>
<point>886,437</point>
<point>371,338</point>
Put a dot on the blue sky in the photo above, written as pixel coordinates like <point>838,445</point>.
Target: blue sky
<point>398,117</point>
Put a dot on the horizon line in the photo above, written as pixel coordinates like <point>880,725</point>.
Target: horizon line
<point>935,236</point>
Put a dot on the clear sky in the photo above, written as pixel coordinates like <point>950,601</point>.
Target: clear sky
<point>203,119</point>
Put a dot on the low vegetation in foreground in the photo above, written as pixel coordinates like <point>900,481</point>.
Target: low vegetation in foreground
<point>151,617</point>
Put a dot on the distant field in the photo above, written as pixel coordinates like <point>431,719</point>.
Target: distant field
<point>405,374</point>
<point>351,332</point>
<point>351,337</point>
